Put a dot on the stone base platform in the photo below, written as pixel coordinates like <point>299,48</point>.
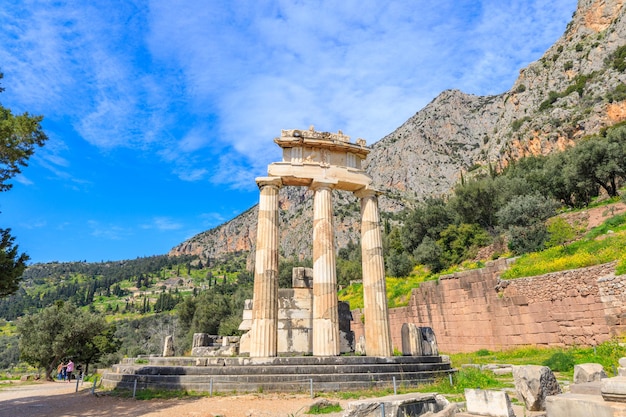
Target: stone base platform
<point>277,374</point>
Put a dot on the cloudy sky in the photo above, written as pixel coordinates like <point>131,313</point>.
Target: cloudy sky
<point>161,113</point>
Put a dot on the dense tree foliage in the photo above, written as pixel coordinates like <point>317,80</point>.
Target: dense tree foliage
<point>12,263</point>
<point>19,135</point>
<point>62,331</point>
<point>213,311</point>
<point>517,202</point>
<point>60,281</point>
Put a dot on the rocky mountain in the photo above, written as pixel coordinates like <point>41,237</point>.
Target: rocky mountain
<point>575,89</point>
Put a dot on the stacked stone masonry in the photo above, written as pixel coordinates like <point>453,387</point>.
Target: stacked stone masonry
<point>475,310</point>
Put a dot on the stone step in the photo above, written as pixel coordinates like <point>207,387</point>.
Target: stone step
<point>287,374</point>
<point>274,382</point>
<point>278,369</point>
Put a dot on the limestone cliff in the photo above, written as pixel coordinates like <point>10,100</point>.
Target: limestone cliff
<point>575,89</point>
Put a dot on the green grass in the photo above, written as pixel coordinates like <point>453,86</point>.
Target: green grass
<point>607,354</point>
<point>399,289</point>
<point>468,377</point>
<point>152,394</point>
<point>324,409</point>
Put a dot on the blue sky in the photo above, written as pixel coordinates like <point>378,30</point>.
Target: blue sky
<point>161,113</point>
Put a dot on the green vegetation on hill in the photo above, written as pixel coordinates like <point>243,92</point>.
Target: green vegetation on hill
<point>146,299</point>
<point>510,206</point>
<point>602,244</point>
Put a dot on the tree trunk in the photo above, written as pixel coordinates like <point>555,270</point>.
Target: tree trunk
<point>49,370</point>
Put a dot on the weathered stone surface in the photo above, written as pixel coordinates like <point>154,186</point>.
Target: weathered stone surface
<point>488,403</point>
<point>588,372</point>
<point>263,332</point>
<point>294,334</point>
<point>302,277</point>
<point>411,340</point>
<point>429,342</point>
<point>414,404</point>
<point>377,330</point>
<point>614,389</point>
<point>533,384</point>
<point>168,346</point>
<point>359,348</point>
<point>471,315</point>
<point>580,405</point>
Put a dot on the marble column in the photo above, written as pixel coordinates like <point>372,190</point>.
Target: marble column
<point>325,314</point>
<point>263,334</point>
<point>377,332</point>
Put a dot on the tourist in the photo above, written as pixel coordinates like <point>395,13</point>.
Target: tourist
<point>70,369</point>
<point>64,370</point>
<point>60,373</point>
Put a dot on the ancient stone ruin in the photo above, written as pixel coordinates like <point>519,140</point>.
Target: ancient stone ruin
<point>323,162</point>
<point>296,337</point>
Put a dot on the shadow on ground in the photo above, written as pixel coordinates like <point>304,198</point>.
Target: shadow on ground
<point>81,404</point>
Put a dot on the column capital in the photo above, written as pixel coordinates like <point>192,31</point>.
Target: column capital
<point>318,184</point>
<point>271,181</point>
<point>367,192</point>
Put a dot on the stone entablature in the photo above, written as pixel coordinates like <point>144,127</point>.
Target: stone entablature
<point>310,155</point>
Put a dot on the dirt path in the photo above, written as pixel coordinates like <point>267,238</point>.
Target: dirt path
<point>58,399</point>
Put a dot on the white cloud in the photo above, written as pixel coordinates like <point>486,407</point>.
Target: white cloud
<point>165,223</point>
<point>23,180</point>
<point>107,231</point>
<point>210,84</point>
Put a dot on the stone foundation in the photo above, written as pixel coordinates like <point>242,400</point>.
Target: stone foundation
<point>475,310</point>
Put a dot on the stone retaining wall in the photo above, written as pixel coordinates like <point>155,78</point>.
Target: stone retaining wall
<point>473,310</point>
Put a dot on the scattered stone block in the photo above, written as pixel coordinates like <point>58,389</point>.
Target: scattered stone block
<point>588,372</point>
<point>614,389</point>
<point>621,370</point>
<point>414,404</point>
<point>580,405</point>
<point>359,348</point>
<point>411,340</point>
<point>533,384</point>
<point>429,342</point>
<point>488,403</point>
<point>168,346</point>
<point>503,371</point>
<point>302,277</point>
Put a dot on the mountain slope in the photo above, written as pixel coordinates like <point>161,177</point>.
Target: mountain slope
<point>575,89</point>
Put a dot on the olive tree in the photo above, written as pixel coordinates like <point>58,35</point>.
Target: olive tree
<point>63,331</point>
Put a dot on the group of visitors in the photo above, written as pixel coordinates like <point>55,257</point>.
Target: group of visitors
<point>64,370</point>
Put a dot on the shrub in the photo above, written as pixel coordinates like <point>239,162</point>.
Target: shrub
<point>560,232</point>
<point>547,103</point>
<point>568,65</point>
<point>618,94</point>
<point>560,362</point>
<point>618,59</point>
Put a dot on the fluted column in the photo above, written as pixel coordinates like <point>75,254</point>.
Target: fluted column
<point>377,333</point>
<point>325,314</point>
<point>263,334</point>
